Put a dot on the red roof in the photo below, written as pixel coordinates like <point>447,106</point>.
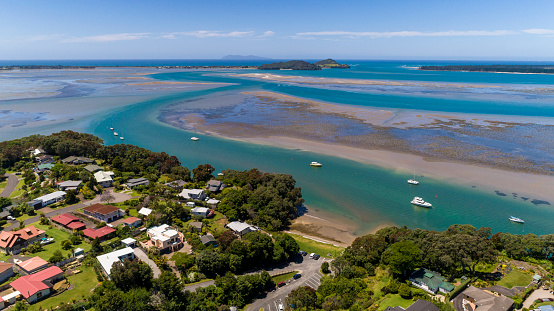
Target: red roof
<point>65,219</point>
<point>9,238</point>
<point>30,284</point>
<point>33,263</point>
<point>76,225</point>
<point>98,233</point>
<point>130,220</point>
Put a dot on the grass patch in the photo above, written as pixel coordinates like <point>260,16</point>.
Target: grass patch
<point>59,235</point>
<point>284,277</point>
<point>83,282</point>
<point>312,246</point>
<point>515,278</point>
<point>393,301</point>
<point>25,217</point>
<point>133,212</point>
<point>18,191</point>
<point>3,185</point>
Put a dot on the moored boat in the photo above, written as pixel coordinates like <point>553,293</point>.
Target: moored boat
<point>518,220</point>
<point>420,202</point>
<point>115,134</point>
<point>194,138</point>
<point>316,164</point>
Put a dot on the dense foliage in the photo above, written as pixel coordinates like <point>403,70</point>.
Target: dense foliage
<point>293,65</point>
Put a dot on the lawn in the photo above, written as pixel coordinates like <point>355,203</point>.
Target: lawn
<point>283,277</point>
<point>18,191</point>
<point>515,278</point>
<point>24,217</point>
<point>59,235</point>
<point>83,282</point>
<point>312,246</point>
<point>133,212</point>
<point>3,185</point>
<point>394,301</point>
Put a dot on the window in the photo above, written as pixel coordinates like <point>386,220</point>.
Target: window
<point>39,294</point>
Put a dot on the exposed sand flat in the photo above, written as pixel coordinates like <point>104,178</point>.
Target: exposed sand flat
<point>174,83</point>
<point>537,186</point>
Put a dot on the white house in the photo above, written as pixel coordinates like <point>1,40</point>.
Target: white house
<point>163,236</point>
<point>200,211</point>
<point>107,260</point>
<point>193,194</point>
<point>240,228</point>
<point>213,202</point>
<point>145,211</point>
<point>51,198</point>
<point>104,179</point>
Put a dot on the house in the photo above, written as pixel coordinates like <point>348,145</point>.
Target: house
<point>129,242</point>
<point>193,194</point>
<point>11,242</point>
<point>6,271</point>
<point>107,260</point>
<point>164,237</point>
<point>51,198</point>
<point>44,159</point>
<point>176,184</point>
<point>135,182</point>
<point>536,279</point>
<point>78,160</point>
<point>430,281</point>
<point>240,228</point>
<point>69,222</point>
<point>213,203</point>
<point>476,299</point>
<point>37,151</point>
<point>132,222</point>
<point>419,305</point>
<point>69,185</point>
<point>208,239</point>
<point>196,226</point>
<point>31,266</point>
<point>190,204</point>
<point>34,204</point>
<point>145,211</point>
<point>93,168</point>
<point>44,167</point>
<point>215,186</point>
<point>103,233</point>
<point>200,211</point>
<point>78,251</point>
<point>104,179</point>
<point>105,213</point>
<point>38,285</point>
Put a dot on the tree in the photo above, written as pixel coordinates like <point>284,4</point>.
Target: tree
<point>210,262</point>
<point>56,257</point>
<point>131,274</point>
<point>302,297</point>
<point>325,267</point>
<point>96,247</point>
<point>70,197</point>
<point>107,197</point>
<point>169,284</point>
<point>66,244</point>
<point>402,256</point>
<point>202,173</point>
<point>405,291</point>
<point>225,239</point>
<point>21,306</point>
<point>5,202</point>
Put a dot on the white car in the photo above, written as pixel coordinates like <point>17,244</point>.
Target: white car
<point>281,308</point>
<point>11,218</point>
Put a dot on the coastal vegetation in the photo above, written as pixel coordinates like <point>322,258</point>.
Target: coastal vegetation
<point>549,69</point>
<point>303,65</point>
<point>331,63</point>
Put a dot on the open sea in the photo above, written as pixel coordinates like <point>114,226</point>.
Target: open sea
<point>364,194</point>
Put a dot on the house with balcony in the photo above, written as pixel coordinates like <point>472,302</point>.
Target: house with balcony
<point>164,238</point>
<point>11,242</point>
<point>105,213</point>
<point>193,194</point>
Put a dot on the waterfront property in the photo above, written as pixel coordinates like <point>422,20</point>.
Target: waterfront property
<point>105,213</point>
<point>104,179</point>
<point>240,228</point>
<point>69,222</point>
<point>132,222</point>
<point>215,186</point>
<point>193,194</point>
<point>102,234</point>
<point>34,287</point>
<point>107,260</point>
<point>476,299</point>
<point>200,211</point>
<point>430,281</point>
<point>164,238</point>
<point>11,242</point>
<point>419,305</point>
<point>6,271</point>
<point>50,198</point>
<point>73,160</point>
<point>93,168</point>
<point>31,266</point>
<point>135,182</point>
<point>176,184</point>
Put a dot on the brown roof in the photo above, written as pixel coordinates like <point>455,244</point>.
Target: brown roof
<point>5,266</point>
<point>8,239</point>
<point>131,220</point>
<point>101,209</point>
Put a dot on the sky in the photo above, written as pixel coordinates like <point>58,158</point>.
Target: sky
<point>283,29</point>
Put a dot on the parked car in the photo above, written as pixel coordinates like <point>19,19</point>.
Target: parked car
<point>281,284</point>
<point>11,218</point>
<point>314,256</point>
<point>297,276</point>
<point>303,253</point>
<point>281,308</point>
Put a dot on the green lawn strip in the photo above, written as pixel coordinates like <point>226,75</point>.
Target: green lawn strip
<point>133,212</point>
<point>284,277</point>
<point>3,185</point>
<point>4,257</point>
<point>83,282</point>
<point>515,278</point>
<point>395,301</point>
<point>545,303</point>
<point>320,248</point>
<point>18,191</point>
<point>24,217</point>
<point>59,235</point>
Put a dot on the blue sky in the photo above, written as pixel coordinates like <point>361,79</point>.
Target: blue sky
<point>119,29</point>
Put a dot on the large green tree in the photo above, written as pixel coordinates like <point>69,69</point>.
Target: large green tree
<point>131,274</point>
<point>402,257</point>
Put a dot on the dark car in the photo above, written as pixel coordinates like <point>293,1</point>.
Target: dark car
<point>297,276</point>
<point>316,257</point>
<point>281,284</point>
<point>303,253</point>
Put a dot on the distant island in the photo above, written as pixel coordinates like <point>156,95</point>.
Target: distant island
<point>302,65</point>
<point>549,69</point>
<point>244,57</point>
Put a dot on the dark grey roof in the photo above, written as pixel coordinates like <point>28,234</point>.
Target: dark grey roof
<point>93,168</point>
<point>77,160</point>
<point>4,214</point>
<point>487,301</point>
<point>176,183</point>
<point>207,239</point>
<point>422,305</point>
<point>215,185</point>
<point>137,182</point>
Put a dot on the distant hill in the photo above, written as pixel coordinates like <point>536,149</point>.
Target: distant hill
<point>290,65</point>
<point>331,63</point>
<point>244,57</point>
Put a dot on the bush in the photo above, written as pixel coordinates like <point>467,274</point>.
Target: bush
<point>405,291</point>
<point>325,267</point>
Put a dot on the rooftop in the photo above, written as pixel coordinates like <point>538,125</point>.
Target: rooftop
<point>145,211</point>
<point>64,219</point>
<point>51,196</point>
<point>205,239</point>
<point>33,263</point>
<point>98,233</point>
<point>101,209</point>
<point>107,260</point>
<point>70,183</point>
<point>130,220</point>
<point>93,168</point>
<point>5,266</point>
<point>30,284</point>
<point>239,226</point>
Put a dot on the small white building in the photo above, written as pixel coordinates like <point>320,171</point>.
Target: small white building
<point>193,194</point>
<point>104,179</point>
<point>190,204</point>
<point>51,198</point>
<point>240,228</point>
<point>213,202</point>
<point>129,242</point>
<point>107,260</point>
<point>200,211</point>
<point>145,211</point>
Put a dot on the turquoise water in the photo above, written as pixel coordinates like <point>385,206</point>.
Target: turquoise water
<point>367,195</point>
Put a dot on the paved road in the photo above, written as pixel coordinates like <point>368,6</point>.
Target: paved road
<point>537,294</point>
<point>119,197</point>
<point>10,187</point>
<point>144,257</point>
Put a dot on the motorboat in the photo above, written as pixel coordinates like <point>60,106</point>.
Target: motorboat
<point>420,202</point>
<point>194,138</point>
<point>115,134</point>
<point>518,220</point>
<point>316,164</point>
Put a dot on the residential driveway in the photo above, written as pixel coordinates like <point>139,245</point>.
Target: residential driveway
<point>144,257</point>
<point>537,294</point>
<point>10,187</point>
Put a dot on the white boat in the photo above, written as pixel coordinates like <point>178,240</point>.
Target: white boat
<point>413,181</point>
<point>194,138</point>
<point>316,164</point>
<point>115,134</point>
<point>515,219</point>
<point>111,128</point>
<point>121,138</point>
<point>220,174</point>
<point>420,202</point>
